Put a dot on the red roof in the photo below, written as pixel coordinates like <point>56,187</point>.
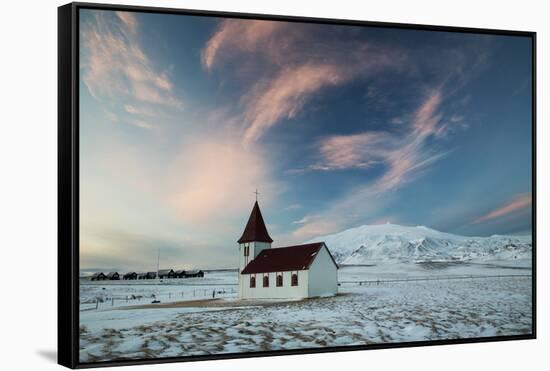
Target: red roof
<point>255,229</point>
<point>282,259</point>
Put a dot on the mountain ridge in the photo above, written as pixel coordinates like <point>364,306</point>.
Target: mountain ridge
<point>396,243</point>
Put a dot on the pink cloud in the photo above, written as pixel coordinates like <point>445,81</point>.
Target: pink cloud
<point>403,159</point>
<point>114,63</point>
<point>289,74</point>
<point>142,124</point>
<point>235,34</point>
<point>213,180</point>
<point>139,110</point>
<point>402,156</point>
<point>354,151</point>
<point>315,228</point>
<point>405,164</point>
<point>285,95</point>
<point>129,20</point>
<point>519,203</point>
<point>426,117</point>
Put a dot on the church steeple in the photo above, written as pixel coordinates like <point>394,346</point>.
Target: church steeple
<point>255,230</point>
<point>254,240</point>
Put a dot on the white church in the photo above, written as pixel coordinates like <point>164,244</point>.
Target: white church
<point>291,272</point>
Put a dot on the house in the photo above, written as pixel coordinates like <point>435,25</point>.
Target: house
<point>290,272</point>
<point>167,273</point>
<point>113,276</point>
<point>179,273</point>
<point>193,273</point>
<point>130,276</point>
<point>151,275</point>
<point>142,276</point>
<point>98,276</point>
<point>188,273</point>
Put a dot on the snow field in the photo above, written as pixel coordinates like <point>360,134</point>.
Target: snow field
<point>389,312</point>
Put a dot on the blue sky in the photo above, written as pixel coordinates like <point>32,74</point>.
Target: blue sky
<point>183,117</point>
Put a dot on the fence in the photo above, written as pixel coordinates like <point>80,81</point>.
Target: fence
<point>166,296</point>
<point>428,278</point>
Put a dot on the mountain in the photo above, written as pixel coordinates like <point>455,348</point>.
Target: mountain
<point>396,243</point>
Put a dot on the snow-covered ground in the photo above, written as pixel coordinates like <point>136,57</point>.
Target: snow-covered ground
<point>373,312</point>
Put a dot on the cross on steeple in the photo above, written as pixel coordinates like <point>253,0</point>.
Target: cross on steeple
<point>257,193</point>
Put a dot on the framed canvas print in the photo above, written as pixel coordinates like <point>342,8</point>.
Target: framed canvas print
<point>240,185</point>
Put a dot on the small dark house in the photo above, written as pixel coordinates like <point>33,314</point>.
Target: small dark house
<point>98,276</point>
<point>113,276</point>
<point>130,276</point>
<point>194,273</point>
<point>151,275</point>
<point>167,273</point>
<point>142,276</point>
<point>179,273</point>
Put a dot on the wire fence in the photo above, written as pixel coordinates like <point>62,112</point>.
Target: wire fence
<point>427,278</point>
<point>111,301</point>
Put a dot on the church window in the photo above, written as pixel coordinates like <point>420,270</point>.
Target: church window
<point>294,279</point>
<point>279,280</point>
<point>252,281</point>
<point>266,281</point>
<point>246,249</point>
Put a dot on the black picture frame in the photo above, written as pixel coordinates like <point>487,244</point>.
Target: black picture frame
<point>68,182</point>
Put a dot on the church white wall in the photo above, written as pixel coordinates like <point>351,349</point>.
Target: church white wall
<point>287,291</point>
<point>323,275</point>
<point>254,249</point>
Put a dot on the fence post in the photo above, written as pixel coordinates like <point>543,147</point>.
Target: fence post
<point>96,303</point>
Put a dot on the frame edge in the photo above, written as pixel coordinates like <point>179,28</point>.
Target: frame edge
<point>67,341</point>
<point>68,326</point>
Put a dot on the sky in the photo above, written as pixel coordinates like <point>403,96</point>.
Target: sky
<point>182,118</point>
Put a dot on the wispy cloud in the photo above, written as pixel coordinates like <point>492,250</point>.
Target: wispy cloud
<point>412,155</point>
<point>129,20</point>
<point>285,95</point>
<point>304,220</point>
<point>142,124</point>
<point>401,155</point>
<point>290,75</point>
<point>114,62</point>
<point>241,35</point>
<point>519,203</point>
<point>286,84</point>
<point>402,158</point>
<point>354,151</point>
<point>139,111</point>
<point>427,117</point>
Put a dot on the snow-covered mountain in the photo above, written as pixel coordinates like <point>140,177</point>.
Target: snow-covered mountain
<point>395,243</point>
